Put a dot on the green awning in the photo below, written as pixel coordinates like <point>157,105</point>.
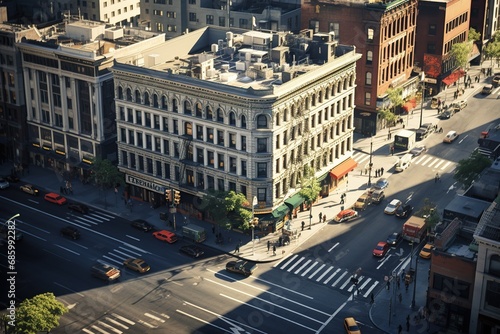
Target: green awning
<point>322,177</point>
<point>280,211</point>
<point>294,201</point>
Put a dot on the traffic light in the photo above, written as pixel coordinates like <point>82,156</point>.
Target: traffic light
<point>168,195</point>
<point>177,197</point>
<point>254,222</point>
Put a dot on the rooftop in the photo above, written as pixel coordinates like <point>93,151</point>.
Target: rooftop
<point>489,225</point>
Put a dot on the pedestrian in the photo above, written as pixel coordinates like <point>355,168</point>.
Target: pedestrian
<point>302,225</point>
<point>324,219</point>
<point>381,171</point>
<point>408,324</point>
<point>388,286</point>
<point>61,189</point>
<point>388,136</point>
<point>406,284</point>
<point>403,275</point>
<point>372,298</point>
<point>400,329</point>
<point>398,282</point>
<point>268,245</point>
<point>392,150</point>
<point>400,298</point>
<point>320,216</point>
<point>280,241</point>
<point>366,171</point>
<point>237,249</point>
<point>476,79</point>
<point>274,249</point>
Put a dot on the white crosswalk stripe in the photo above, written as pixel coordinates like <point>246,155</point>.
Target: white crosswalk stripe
<point>116,256</point>
<point>112,323</point>
<point>93,218</point>
<point>432,162</point>
<point>327,274</point>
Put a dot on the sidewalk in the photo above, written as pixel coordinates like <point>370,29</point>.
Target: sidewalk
<point>257,249</point>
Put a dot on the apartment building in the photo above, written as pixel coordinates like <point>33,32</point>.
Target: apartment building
<point>384,34</point>
<point>175,18</point>
<point>236,110</point>
<point>69,92</point>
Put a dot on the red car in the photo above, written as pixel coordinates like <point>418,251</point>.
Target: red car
<point>381,249</point>
<point>165,235</point>
<point>55,198</point>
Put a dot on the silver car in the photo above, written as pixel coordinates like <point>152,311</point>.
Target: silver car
<point>4,184</point>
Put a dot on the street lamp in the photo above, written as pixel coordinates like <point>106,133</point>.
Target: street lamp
<point>370,164</point>
<point>13,217</point>
<point>414,284</point>
<point>422,81</point>
<point>254,203</point>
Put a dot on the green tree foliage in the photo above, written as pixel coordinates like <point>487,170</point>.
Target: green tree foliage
<point>473,35</point>
<point>38,314</point>
<point>310,187</point>
<point>396,100</point>
<point>492,50</point>
<point>460,53</point>
<point>429,212</point>
<point>106,175</point>
<point>469,169</point>
<point>227,209</point>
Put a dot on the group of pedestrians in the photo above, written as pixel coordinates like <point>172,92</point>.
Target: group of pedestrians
<point>379,172</point>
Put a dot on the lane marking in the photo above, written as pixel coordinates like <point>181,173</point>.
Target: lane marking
<point>287,263</point>
<point>131,237</point>
<point>338,279</point>
<point>338,243</point>
<point>65,287</point>
<point>317,270</point>
<point>67,249</point>
<point>154,317</point>
<point>113,321</point>
<point>370,289</point>
<point>296,264</point>
<point>332,316</point>
<point>446,165</point>
<point>130,322</point>
<point>331,276</point>
<point>109,327</point>
<point>309,269</point>
<point>323,274</point>
<point>128,250</point>
<point>302,267</point>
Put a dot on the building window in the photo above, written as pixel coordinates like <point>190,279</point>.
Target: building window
<point>232,140</point>
<point>192,17</point>
<point>244,23</point>
<point>431,48</point>
<point>243,122</point>
<point>262,169</point>
<point>494,265</point>
<point>369,57</point>
<point>200,157</point>
<point>368,78</point>
<point>492,296</point>
<point>220,184</point>
<point>243,168</point>
<point>210,135</point>
<point>210,19</point>
<point>222,21</point>
<point>368,97</point>
<point>192,2</point>
<point>210,156</point>
<point>261,122</point>
<point>171,15</point>
<point>232,165</point>
<point>244,143</point>
<point>220,161</point>
<point>432,29</point>
<point>220,137</point>
<point>261,194</point>
<point>232,119</point>
<point>314,25</point>
<point>370,34</point>
<point>261,145</point>
<point>220,116</point>
<point>334,27</point>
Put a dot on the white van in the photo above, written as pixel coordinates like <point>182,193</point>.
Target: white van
<point>403,162</point>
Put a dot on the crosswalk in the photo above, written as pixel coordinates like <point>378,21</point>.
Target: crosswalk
<point>93,218</point>
<point>119,254</point>
<point>424,160</point>
<point>116,323</point>
<point>327,274</point>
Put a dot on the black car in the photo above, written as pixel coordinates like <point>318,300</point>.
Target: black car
<point>70,232</point>
<point>241,267</point>
<point>142,225</point>
<point>404,211</point>
<point>192,251</point>
<point>82,208</point>
<point>445,115</point>
<point>394,238</point>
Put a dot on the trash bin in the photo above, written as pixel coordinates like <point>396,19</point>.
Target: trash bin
<point>163,215</point>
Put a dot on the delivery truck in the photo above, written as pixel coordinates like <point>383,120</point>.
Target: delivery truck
<point>415,229</point>
<point>404,140</point>
<point>194,233</point>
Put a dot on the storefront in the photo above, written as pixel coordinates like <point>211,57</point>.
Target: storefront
<point>144,190</point>
<point>340,173</point>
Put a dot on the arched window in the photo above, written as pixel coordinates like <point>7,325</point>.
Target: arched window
<point>146,99</point>
<point>232,118</point>
<point>120,93</point>
<point>129,95</point>
<point>198,109</point>
<point>187,108</point>
<point>261,122</point>
<point>243,122</point>
<point>209,114</point>
<point>220,115</point>
<point>175,105</point>
<point>137,96</point>
<point>368,78</point>
<point>188,129</point>
<point>278,116</point>
<point>155,101</point>
<point>495,265</point>
<point>369,57</point>
<point>164,103</point>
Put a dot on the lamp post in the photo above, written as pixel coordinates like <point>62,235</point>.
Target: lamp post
<point>13,217</point>
<point>254,203</point>
<point>422,81</point>
<point>370,163</point>
<point>414,284</point>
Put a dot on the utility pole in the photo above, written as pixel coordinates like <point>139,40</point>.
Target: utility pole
<point>370,164</point>
<point>422,81</point>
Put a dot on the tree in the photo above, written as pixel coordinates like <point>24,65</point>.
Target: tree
<point>396,100</point>
<point>238,213</point>
<point>460,52</point>
<point>310,189</point>
<point>227,209</point>
<point>38,314</point>
<point>106,175</point>
<point>492,49</point>
<point>473,35</point>
<point>214,204</point>
<point>430,213</point>
<point>469,169</point>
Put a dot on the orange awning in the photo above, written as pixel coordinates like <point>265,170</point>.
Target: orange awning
<point>409,105</point>
<point>343,168</point>
<point>454,76</point>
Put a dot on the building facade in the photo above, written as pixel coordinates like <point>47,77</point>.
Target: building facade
<point>248,111</point>
<point>69,93</point>
<point>384,34</point>
<point>175,18</point>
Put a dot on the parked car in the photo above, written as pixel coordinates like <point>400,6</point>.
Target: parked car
<point>450,137</point>
<point>241,267</point>
<point>378,196</point>
<point>351,326</point>
<point>404,211</point>
<point>142,225</point>
<point>105,272</point>
<point>363,201</point>
<point>345,215</point>
<point>381,249</point>
<point>458,106</point>
<point>416,151</point>
<point>445,115</point>
<point>426,252</point>
<point>82,208</point>
<point>381,183</point>
<point>70,232</point>
<point>394,238</point>
<point>29,189</point>
<point>138,265</point>
<point>166,236</point>
<point>191,250</point>
<point>391,208</point>
<point>487,89</point>
<point>4,184</point>
<point>55,198</point>
<point>495,81</point>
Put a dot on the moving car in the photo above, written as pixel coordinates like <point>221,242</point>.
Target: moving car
<point>394,238</point>
<point>70,232</point>
<point>487,89</point>
<point>241,267</point>
<point>55,198</point>
<point>138,265</point>
<point>403,162</point>
<point>426,252</point>
<point>29,189</point>
<point>351,326</point>
<point>458,106</point>
<point>416,151</point>
<point>345,215</point>
<point>363,201</point>
<point>165,235</point>
<point>82,208</point>
<point>445,115</point>
<point>450,137</point>
<point>404,211</point>
<point>4,184</point>
<point>495,81</point>
<point>381,183</point>
<point>105,272</point>
<point>381,249</point>
<point>142,225</point>
<point>192,251</point>
<point>378,196</point>
<point>391,208</point>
